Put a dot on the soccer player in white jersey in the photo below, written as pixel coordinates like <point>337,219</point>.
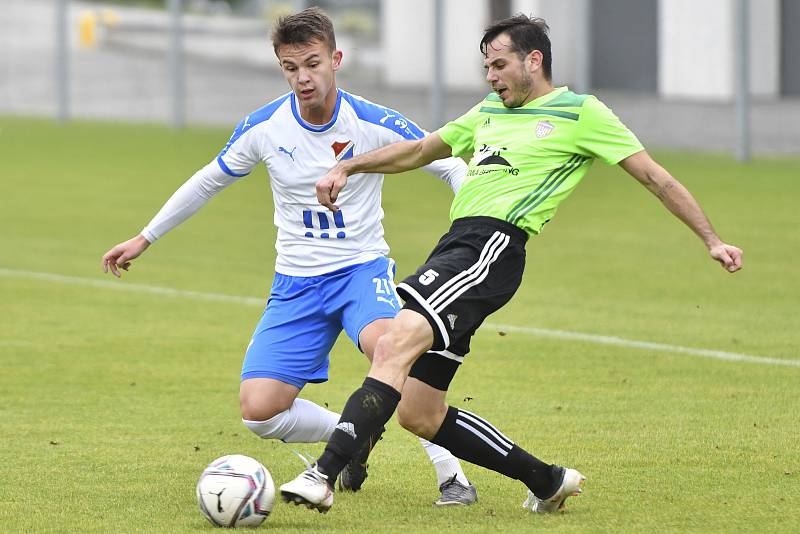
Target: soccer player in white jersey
<point>332,270</point>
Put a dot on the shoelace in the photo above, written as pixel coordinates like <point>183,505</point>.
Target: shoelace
<point>311,473</point>
<point>449,482</point>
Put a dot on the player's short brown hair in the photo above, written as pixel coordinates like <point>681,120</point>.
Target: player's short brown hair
<point>309,25</point>
<point>527,34</point>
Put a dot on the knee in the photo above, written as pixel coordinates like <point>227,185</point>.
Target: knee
<point>386,350</point>
<point>396,349</point>
<point>251,411</point>
<point>408,336</point>
<point>256,408</point>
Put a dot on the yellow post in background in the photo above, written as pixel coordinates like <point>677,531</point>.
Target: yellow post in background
<point>87,29</point>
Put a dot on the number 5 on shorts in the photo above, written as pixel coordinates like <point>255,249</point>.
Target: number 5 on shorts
<point>428,277</point>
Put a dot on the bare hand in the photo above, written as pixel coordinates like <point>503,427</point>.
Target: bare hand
<point>328,187</point>
<point>122,254</point>
<point>728,256</point>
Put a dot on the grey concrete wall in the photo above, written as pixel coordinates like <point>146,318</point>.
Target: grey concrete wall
<point>624,44</point>
<point>790,47</point>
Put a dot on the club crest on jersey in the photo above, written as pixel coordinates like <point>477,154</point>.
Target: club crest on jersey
<point>343,149</point>
<point>544,128</point>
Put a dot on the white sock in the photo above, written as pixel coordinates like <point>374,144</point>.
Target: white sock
<point>444,462</point>
<point>303,422</point>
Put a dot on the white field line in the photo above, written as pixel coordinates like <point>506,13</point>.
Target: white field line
<point>647,345</point>
<point>120,285</point>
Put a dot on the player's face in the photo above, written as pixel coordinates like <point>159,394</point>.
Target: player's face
<point>309,68</point>
<point>509,76</point>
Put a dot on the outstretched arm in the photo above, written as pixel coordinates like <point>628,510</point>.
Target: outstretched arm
<point>189,198</point>
<point>678,200</point>
<point>394,158</point>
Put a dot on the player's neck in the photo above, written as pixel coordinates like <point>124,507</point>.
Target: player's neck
<point>539,89</point>
<point>320,115</point>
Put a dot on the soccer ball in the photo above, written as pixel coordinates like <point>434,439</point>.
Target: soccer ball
<point>235,491</point>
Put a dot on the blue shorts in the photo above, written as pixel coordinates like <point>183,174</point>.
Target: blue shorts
<point>305,315</point>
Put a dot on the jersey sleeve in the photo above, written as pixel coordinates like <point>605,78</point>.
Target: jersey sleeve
<point>241,153</point>
<point>602,135</point>
<point>189,198</point>
<point>451,171</point>
<point>460,133</point>
<point>396,128</point>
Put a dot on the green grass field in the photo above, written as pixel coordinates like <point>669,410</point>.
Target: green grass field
<point>112,402</point>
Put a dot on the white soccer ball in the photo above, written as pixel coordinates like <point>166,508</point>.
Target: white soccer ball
<point>235,491</point>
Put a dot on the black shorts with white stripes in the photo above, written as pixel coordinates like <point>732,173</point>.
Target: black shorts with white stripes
<point>474,270</point>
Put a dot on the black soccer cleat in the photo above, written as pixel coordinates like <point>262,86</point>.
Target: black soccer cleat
<point>355,472</point>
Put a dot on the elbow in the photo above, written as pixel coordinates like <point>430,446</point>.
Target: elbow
<point>418,153</point>
<point>424,151</point>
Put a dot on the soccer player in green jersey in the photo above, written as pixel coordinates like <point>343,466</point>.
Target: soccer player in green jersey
<point>530,145</point>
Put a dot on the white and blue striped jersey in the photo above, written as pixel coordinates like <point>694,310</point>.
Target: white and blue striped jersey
<point>311,239</point>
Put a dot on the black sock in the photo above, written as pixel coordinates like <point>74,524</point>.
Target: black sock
<point>366,411</point>
<point>475,440</point>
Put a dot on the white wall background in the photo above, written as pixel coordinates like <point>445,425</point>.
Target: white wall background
<point>695,48</point>
<point>696,44</point>
<point>765,44</point>
<point>407,29</point>
<point>560,16</point>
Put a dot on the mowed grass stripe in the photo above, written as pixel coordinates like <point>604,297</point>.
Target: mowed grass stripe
<point>541,332</point>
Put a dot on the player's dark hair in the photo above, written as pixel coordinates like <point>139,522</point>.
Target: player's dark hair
<point>527,34</point>
<point>311,24</point>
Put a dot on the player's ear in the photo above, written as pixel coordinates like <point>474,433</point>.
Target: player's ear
<point>534,60</point>
<point>336,59</point>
